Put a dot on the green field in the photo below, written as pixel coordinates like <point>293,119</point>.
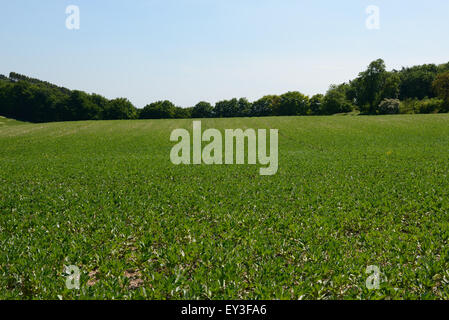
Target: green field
<point>350,192</point>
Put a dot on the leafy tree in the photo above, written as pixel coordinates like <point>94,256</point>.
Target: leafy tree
<point>80,107</point>
<point>316,104</point>
<point>102,103</point>
<point>41,105</point>
<point>4,98</point>
<point>266,106</point>
<point>158,110</point>
<point>182,113</point>
<point>392,86</point>
<point>227,108</point>
<point>441,87</point>
<point>22,96</point>
<point>416,82</point>
<point>335,100</point>
<point>370,86</point>
<point>120,108</point>
<point>293,103</point>
<point>244,108</point>
<point>442,68</point>
<point>202,110</point>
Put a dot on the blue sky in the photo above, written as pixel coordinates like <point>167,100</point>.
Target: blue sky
<point>193,50</point>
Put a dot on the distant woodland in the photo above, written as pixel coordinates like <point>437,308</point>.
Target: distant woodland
<point>418,89</point>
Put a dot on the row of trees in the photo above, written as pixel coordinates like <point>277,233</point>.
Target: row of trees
<point>33,100</point>
<point>36,101</point>
<point>419,89</point>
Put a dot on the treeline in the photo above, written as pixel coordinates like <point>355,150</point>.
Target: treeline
<point>419,89</point>
<point>29,99</point>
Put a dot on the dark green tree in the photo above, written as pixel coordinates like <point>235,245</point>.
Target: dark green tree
<point>316,104</point>
<point>227,108</point>
<point>416,82</point>
<point>293,103</point>
<point>158,110</point>
<point>244,108</point>
<point>441,88</point>
<point>392,86</point>
<point>182,113</point>
<point>370,86</point>
<point>80,107</point>
<point>336,101</point>
<point>202,110</point>
<point>120,108</point>
<point>266,106</point>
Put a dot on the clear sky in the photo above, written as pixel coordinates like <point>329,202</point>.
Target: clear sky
<point>192,50</point>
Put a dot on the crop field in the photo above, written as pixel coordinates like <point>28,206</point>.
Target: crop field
<point>350,192</point>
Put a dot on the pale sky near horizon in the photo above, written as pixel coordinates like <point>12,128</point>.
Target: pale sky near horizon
<point>188,51</point>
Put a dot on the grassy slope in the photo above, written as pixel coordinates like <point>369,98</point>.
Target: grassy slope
<point>8,122</point>
<point>350,192</point>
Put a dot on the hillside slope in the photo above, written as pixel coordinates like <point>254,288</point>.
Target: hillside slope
<point>9,122</point>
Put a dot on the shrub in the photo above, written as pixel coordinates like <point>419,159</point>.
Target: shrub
<point>409,106</point>
<point>389,106</point>
<point>433,105</point>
